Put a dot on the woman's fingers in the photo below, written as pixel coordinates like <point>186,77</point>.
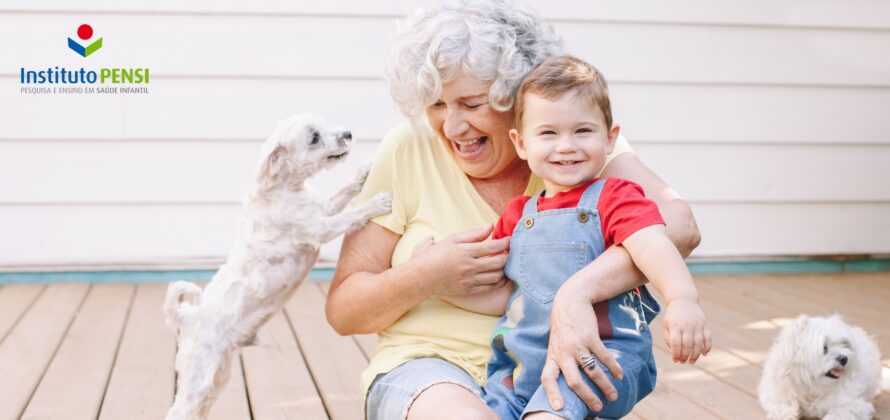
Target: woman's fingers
<point>486,281</point>
<point>608,361</point>
<point>470,236</point>
<point>491,263</point>
<point>569,368</point>
<point>486,248</point>
<point>549,375</point>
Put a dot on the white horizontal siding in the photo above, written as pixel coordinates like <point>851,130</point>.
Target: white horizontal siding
<point>769,118</point>
<point>220,172</point>
<point>788,13</point>
<point>71,233</point>
<point>246,109</point>
<point>358,47</point>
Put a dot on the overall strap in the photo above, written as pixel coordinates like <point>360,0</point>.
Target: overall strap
<point>531,206</point>
<point>591,195</point>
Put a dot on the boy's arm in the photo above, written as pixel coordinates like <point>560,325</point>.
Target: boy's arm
<point>684,322</point>
<point>493,302</point>
<point>657,257</point>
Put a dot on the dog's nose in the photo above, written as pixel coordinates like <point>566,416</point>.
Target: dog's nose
<point>842,360</point>
<point>346,135</point>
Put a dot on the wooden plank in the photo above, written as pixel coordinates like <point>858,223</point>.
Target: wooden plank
<point>776,292</point>
<point>15,299</point>
<point>87,354</point>
<point>335,361</point>
<point>366,342</point>
<point>721,364</point>
<point>882,406</point>
<point>701,387</point>
<point>278,381</point>
<point>666,404</point>
<point>30,346</point>
<point>142,382</point>
<point>232,402</point>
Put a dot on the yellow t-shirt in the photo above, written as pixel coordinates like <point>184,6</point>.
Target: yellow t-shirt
<point>432,196</point>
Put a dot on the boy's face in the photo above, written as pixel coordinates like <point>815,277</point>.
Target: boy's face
<point>565,140</point>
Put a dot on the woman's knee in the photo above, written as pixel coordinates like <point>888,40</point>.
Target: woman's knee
<point>448,401</point>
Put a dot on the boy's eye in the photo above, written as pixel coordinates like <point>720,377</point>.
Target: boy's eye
<point>583,130</point>
<point>547,133</point>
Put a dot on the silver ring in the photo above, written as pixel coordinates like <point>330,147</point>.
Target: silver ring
<point>588,362</point>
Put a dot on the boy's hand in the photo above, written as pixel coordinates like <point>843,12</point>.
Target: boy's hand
<point>685,332</point>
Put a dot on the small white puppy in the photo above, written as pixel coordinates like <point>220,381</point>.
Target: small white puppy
<point>283,226</point>
<point>821,367</point>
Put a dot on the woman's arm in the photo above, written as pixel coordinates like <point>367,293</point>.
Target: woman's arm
<point>491,303</point>
<point>368,295</point>
<point>573,322</point>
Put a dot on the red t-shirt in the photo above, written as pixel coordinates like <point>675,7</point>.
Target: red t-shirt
<point>622,206</point>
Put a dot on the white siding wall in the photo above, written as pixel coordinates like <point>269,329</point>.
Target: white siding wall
<point>771,118</point>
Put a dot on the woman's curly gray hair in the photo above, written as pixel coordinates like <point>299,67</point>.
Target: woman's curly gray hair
<point>492,40</point>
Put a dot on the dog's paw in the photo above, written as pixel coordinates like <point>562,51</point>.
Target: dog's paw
<point>379,204</point>
<point>362,175</point>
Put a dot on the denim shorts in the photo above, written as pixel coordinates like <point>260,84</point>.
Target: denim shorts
<point>392,393</point>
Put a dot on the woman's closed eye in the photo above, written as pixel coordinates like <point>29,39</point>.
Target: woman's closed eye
<point>474,106</point>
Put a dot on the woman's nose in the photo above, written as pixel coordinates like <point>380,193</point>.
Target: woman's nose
<point>455,125</point>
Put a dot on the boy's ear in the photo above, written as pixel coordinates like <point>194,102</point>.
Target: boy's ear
<point>518,143</point>
<point>613,138</point>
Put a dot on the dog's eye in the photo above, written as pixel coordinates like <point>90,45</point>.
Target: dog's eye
<point>315,138</point>
<point>825,349</point>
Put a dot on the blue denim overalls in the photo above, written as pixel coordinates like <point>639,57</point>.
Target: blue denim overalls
<point>546,249</point>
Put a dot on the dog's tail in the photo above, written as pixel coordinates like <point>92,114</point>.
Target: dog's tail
<point>173,309</point>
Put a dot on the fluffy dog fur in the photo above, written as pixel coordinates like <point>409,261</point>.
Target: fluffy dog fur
<point>821,367</point>
<point>283,227</point>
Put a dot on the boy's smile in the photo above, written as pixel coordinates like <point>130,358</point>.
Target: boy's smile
<point>565,140</point>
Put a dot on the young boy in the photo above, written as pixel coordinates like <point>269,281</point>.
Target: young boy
<point>564,130</point>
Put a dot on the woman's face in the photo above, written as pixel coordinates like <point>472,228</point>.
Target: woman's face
<point>476,134</point>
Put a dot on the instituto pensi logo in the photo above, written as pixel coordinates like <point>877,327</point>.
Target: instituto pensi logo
<point>49,79</point>
<point>85,32</point>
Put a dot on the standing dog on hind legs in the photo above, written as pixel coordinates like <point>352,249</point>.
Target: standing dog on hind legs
<point>283,227</point>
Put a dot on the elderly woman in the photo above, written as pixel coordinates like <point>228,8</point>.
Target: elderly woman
<point>458,66</point>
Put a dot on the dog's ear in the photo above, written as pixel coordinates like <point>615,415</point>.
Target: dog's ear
<point>274,162</point>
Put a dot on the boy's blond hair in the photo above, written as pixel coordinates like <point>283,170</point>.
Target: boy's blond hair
<point>560,75</point>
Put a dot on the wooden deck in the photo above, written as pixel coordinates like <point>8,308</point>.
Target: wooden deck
<point>76,351</point>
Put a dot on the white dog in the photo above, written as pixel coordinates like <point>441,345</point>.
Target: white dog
<point>821,367</point>
<point>283,226</point>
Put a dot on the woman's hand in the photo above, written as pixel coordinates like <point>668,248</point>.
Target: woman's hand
<point>464,263</point>
<point>574,334</point>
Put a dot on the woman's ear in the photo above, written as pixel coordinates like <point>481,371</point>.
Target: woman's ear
<point>518,143</point>
<point>613,137</point>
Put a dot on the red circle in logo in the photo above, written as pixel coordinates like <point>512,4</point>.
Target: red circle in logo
<point>85,32</point>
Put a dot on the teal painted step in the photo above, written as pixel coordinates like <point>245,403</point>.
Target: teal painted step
<point>325,274</point>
